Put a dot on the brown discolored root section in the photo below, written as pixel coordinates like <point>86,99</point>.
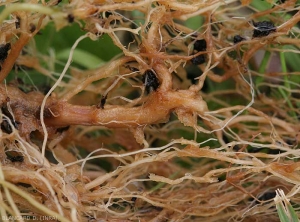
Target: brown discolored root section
<point>182,123</point>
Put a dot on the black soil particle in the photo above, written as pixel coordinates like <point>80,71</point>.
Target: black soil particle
<point>237,39</point>
<point>150,81</point>
<point>4,48</point>
<point>200,45</point>
<point>263,28</point>
<point>198,60</point>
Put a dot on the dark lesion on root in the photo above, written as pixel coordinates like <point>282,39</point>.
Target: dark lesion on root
<point>23,111</point>
<point>47,113</point>
<point>8,120</point>
<point>14,156</point>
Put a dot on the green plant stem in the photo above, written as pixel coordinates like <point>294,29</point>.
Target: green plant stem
<point>293,214</point>
<point>281,213</point>
<point>285,94</point>
<point>262,67</point>
<point>25,7</point>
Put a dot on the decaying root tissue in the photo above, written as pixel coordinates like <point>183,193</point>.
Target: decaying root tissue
<point>138,138</point>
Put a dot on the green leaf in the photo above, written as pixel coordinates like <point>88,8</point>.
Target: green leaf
<point>285,210</point>
<point>261,5</point>
<point>293,214</point>
<point>103,48</point>
<point>138,17</point>
<point>282,214</point>
<point>262,68</point>
<point>285,94</point>
<point>194,22</point>
<point>81,57</point>
<point>292,58</point>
